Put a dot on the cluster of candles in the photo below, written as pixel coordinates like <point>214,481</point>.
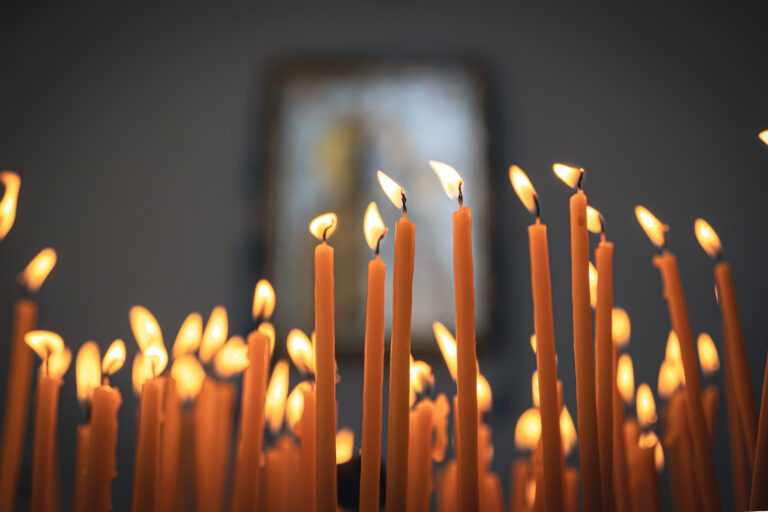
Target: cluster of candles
<point>187,414</point>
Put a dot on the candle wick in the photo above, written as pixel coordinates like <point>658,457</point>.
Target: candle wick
<point>402,196</point>
<point>581,178</point>
<point>538,208</point>
<point>461,194</point>
<point>378,242</point>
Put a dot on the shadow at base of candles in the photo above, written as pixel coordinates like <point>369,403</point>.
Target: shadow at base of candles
<point>348,483</point>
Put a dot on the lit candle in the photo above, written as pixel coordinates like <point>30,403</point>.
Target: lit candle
<point>710,363</point>
<point>552,482</point>
<point>589,449</point>
<point>399,350</point>
<point>759,497</point>
<point>88,378</point>
<point>419,447</point>
<point>620,329</point>
<point>275,476</point>
<point>11,184</point>
<point>739,471</point>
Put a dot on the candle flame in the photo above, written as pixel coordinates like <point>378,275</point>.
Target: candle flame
<point>567,431</point>
<point>323,226</point>
<point>38,269</point>
<point>58,363</point>
<point>145,328</point>
<point>523,188</point>
<point>447,344</point>
<point>646,406</point>
<point>621,327</point>
<point>652,226</point>
<point>276,394</point>
<point>568,173</point>
<point>533,342</point>
<point>708,359</point>
<point>231,358</point>
<point>672,351</point>
<point>594,220</point>
<point>140,372</point>
<point>373,226</point>
<point>707,237</point>
<point>625,378</point>
<point>11,182</point>
<point>658,457</point>
<point>190,334</point>
<point>301,351</point>
<point>528,430</point>
<point>669,378</point>
<point>484,394</point>
<point>535,389</point>
<point>764,136</point>
<point>87,371</point>
<point>214,335</point>
<point>189,375</point>
<point>263,300</point>
<point>592,285</point>
<point>345,445</point>
<point>157,357</point>
<point>44,343</point>
<point>295,405</point>
<point>421,378</point>
<point>114,357</point>
<point>449,178</point>
<point>392,189</point>
<point>268,330</point>
<point>530,492</point>
<point>649,440</point>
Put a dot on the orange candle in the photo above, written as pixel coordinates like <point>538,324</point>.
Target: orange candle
<point>571,490</point>
<point>146,465</point>
<point>709,399</point>
<point>492,496</point>
<point>88,378</point>
<point>738,454</point>
<point>419,453</point>
<point>620,469</point>
<point>102,466</point>
<point>81,467</point>
<point>520,475</point>
<point>552,481</point>
<point>169,451</point>
<point>446,499</point>
<point>759,497</point>
<point>307,452</point>
<point>373,371</point>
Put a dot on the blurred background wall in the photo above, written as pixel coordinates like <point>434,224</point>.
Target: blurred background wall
<point>137,132</point>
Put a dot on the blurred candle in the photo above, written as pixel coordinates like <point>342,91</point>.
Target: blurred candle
<point>88,378</point>
<point>738,454</point>
<point>419,467</point>
<point>620,328</point>
<point>759,497</point>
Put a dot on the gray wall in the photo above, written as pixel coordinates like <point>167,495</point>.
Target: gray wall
<point>136,131</point>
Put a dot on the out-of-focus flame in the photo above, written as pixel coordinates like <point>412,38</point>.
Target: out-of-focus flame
<point>190,334</point>
<point>592,285</point>
<point>484,394</point>
<point>440,424</point>
<point>669,378</point>
<point>295,405</point>
<point>447,344</point>
<point>38,269</point>
<point>345,445</point>
<point>567,431</point>
<point>650,440</point>
<point>707,237</point>
<point>11,182</point>
<point>392,189</point>
<point>708,359</point>
<point>87,371</point>
<point>568,173</point>
<point>301,351</point>
<point>533,342</point>
<point>58,363</point>
<point>214,335</point>
<point>621,327</point>
<point>530,492</point>
<point>652,226</point>
<point>523,188</point>
<point>421,378</point>
<point>646,405</point>
<point>189,375</point>
<point>373,226</point>
<point>323,225</point>
<point>594,220</point>
<point>263,300</point>
<point>232,357</point>
<point>764,136</point>
<point>672,352</point>
<point>114,357</point>
<point>658,457</point>
<point>449,178</point>
<point>141,372</point>
<point>528,430</point>
<point>145,328</point>
<point>157,357</point>
<point>625,378</point>
<point>44,343</point>
<point>276,394</point>
<point>535,389</point>
<point>268,330</point>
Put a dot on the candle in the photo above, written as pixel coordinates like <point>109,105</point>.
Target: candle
<point>759,496</point>
<point>586,417</point>
<point>710,363</point>
<point>552,491</point>
<point>645,468</point>
<point>571,490</point>
<point>519,481</point>
<point>739,470</point>
<point>446,500</point>
<point>620,332</point>
<point>419,447</point>
<point>307,451</point>
<point>88,378</point>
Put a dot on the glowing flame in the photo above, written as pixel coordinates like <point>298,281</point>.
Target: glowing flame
<point>625,378</point>
<point>652,226</point>
<point>58,363</point>
<point>373,226</point>
<point>189,376</point>
<point>523,188</point>
<point>38,269</point>
<point>232,357</point>
<point>530,493</point>
<point>708,239</point>
<point>295,405</point>
<point>276,394</point>
<point>447,344</point>
<point>214,335</point>
<point>114,357</point>
<point>646,406</point>
<point>263,300</point>
<point>621,327</point>
<point>141,372</point>
<point>11,182</point>
<point>592,285</point>
<point>764,136</point>
<point>528,430</point>
<point>594,220</point>
<point>449,178</point>
<point>45,343</point>
<point>190,334</point>
<point>567,431</point>
<point>392,189</point>
<point>301,351</point>
<point>533,343</point>
<point>157,357</point>
<point>658,457</point>
<point>145,328</point>
<point>669,378</point>
<point>535,389</point>
<point>568,173</point>
<point>87,371</point>
<point>345,445</point>
<point>708,359</point>
<point>484,394</point>
<point>421,377</point>
<point>650,440</point>
<point>323,226</point>
<point>268,330</point>
<point>672,352</point>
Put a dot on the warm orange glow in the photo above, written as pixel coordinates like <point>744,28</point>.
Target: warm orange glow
<point>145,328</point>
<point>669,378</point>
<point>38,269</point>
<point>44,343</point>
<point>214,335</point>
<point>345,445</point>
<point>650,440</point>
<point>652,226</point>
<point>708,239</point>
<point>189,375</point>
<point>708,359</point>
<point>528,430</point>
<point>658,457</point>
<point>232,357</point>
<point>295,405</point>
<point>533,343</point>
<point>530,492</point>
<point>535,388</point>
<point>568,173</point>
<point>157,357</point>
<point>392,189</point>
<point>140,372</point>
<point>87,371</point>
<point>11,182</point>
<point>421,378</point>
<point>621,327</point>
<point>592,285</point>
<point>268,330</point>
<point>323,225</point>
<point>645,406</point>
<point>263,300</point>
<point>484,394</point>
<point>58,363</point>
<point>625,378</point>
<point>567,431</point>
<point>440,414</point>
<point>594,220</point>
<point>523,188</point>
<point>449,178</point>
<point>447,344</point>
<point>672,352</point>
<point>764,136</point>
<point>301,351</point>
<point>190,334</point>
<point>114,357</point>
<point>276,394</point>
<point>373,226</point>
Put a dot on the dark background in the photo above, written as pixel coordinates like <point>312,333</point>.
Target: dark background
<point>137,132</point>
